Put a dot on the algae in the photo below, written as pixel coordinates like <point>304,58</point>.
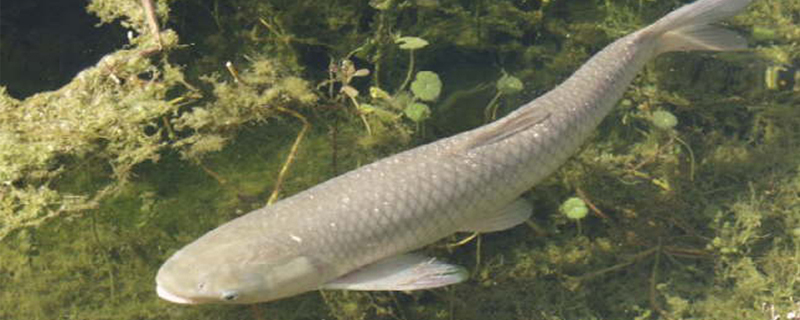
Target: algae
<point>151,147</point>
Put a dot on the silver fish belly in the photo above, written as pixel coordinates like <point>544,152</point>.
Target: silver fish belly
<point>355,231</point>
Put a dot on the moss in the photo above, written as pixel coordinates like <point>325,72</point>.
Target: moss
<point>110,103</point>
<point>125,109</point>
<point>145,151</point>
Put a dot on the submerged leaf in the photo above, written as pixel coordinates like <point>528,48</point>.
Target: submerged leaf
<point>427,86</point>
<point>574,208</point>
<point>417,111</point>
<point>509,84</point>
<point>411,43</point>
<point>664,119</point>
<point>350,91</point>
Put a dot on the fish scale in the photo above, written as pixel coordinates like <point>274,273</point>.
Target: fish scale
<point>353,223</point>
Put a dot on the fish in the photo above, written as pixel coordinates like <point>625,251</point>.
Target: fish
<point>359,231</point>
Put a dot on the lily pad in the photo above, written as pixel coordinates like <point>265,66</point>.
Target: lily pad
<point>427,86</point>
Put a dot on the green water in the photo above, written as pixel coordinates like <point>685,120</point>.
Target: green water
<point>103,179</point>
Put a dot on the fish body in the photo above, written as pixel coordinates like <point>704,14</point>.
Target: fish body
<point>347,232</point>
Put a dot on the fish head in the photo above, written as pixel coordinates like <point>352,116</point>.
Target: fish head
<point>211,272</point>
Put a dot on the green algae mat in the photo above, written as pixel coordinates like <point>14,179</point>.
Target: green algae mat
<point>126,133</point>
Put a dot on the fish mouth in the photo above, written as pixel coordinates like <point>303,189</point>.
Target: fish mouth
<point>171,297</point>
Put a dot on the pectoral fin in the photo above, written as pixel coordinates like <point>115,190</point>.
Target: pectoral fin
<point>507,217</point>
<point>401,273</point>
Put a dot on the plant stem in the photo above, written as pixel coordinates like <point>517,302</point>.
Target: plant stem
<point>292,153</point>
<point>490,113</point>
<point>410,71</point>
<point>361,114</point>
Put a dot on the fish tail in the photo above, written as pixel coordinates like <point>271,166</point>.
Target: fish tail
<point>689,27</point>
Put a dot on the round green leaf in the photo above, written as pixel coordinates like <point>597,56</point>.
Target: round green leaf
<point>417,111</point>
<point>427,86</point>
<point>574,208</point>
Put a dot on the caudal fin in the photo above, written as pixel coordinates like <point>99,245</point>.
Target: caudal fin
<point>688,27</point>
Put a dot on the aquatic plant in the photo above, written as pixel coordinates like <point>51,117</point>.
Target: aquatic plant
<point>506,85</point>
<point>574,208</point>
<point>426,86</point>
<point>707,234</point>
<point>388,108</point>
<point>664,119</point>
<point>411,44</point>
<point>127,109</point>
<point>417,111</point>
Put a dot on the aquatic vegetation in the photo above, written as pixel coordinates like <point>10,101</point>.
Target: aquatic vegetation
<point>426,86</point>
<point>664,119</point>
<point>417,112</point>
<point>127,109</point>
<point>506,85</point>
<point>574,208</point>
<point>119,102</point>
<point>383,110</point>
<point>411,44</point>
<point>702,220</point>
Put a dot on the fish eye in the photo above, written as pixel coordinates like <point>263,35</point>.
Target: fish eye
<point>230,295</point>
